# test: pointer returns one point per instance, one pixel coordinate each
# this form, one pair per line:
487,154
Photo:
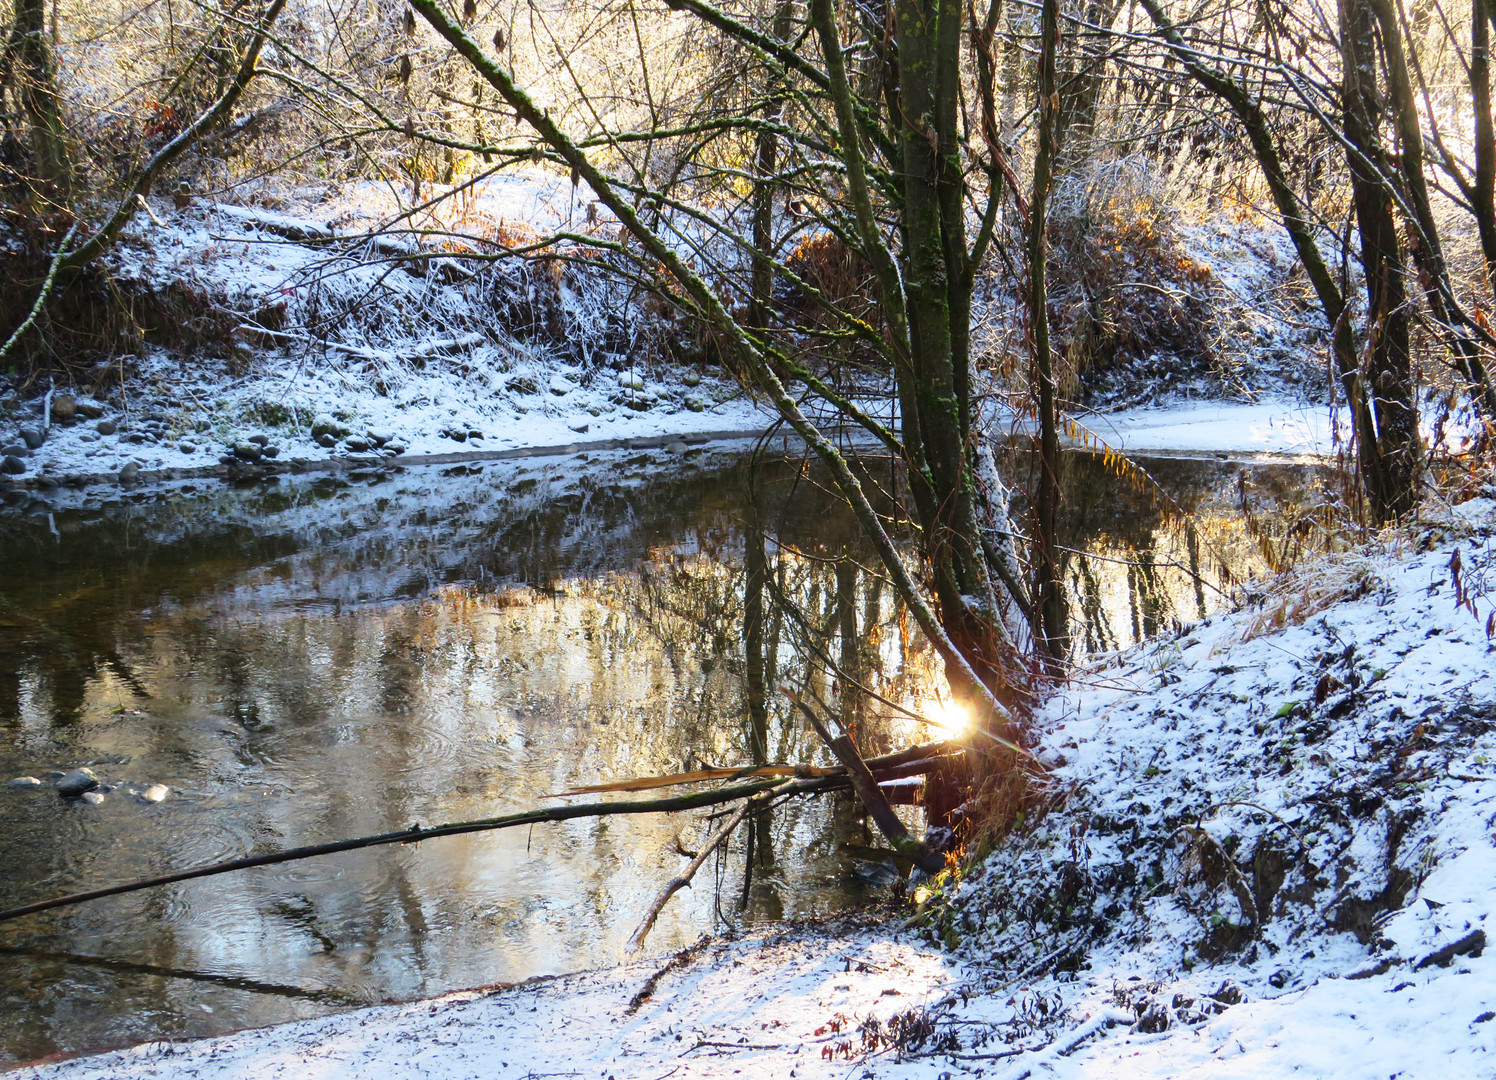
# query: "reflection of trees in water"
1144,556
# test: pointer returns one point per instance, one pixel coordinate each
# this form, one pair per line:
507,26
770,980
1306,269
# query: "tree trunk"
1388,368
766,153
1369,446
34,72
1048,585
1483,191
1425,245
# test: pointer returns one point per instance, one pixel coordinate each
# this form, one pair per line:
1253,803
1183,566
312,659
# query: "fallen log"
778,786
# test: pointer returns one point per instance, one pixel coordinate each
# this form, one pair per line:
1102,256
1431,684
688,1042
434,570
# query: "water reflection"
328,658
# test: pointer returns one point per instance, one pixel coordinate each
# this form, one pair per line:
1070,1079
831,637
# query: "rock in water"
154,793
25,781
75,783
93,798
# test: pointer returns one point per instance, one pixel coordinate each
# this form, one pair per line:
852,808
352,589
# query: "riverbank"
1269,852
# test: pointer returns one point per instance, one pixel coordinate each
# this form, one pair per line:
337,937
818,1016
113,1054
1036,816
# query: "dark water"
325,658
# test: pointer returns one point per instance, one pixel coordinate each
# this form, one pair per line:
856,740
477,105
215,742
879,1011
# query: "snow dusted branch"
141,187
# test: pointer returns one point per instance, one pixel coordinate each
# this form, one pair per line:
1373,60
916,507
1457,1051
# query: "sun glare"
949,715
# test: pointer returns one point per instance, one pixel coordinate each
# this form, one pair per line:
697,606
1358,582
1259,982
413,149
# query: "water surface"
322,658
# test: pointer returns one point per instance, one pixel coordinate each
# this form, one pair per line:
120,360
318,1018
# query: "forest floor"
1268,852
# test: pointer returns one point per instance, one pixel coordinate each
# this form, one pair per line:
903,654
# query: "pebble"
77,782
154,793
64,407
259,440
106,427
130,473
186,447
25,781
93,798
246,451
33,437
12,465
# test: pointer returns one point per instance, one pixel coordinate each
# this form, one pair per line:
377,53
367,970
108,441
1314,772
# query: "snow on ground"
1265,427
1270,854
324,341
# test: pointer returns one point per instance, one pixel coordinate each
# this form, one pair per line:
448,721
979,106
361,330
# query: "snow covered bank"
1270,854
1290,428
274,337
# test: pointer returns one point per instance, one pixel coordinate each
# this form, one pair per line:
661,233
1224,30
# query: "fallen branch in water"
681,880
900,762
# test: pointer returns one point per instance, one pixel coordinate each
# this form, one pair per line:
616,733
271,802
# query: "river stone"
64,407
630,380
106,427
246,451
130,473
25,782
327,440
154,793
271,451
258,439
322,424
33,437
12,465
88,408
75,783
357,444
93,798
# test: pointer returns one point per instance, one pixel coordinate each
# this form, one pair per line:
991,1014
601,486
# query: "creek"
326,657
